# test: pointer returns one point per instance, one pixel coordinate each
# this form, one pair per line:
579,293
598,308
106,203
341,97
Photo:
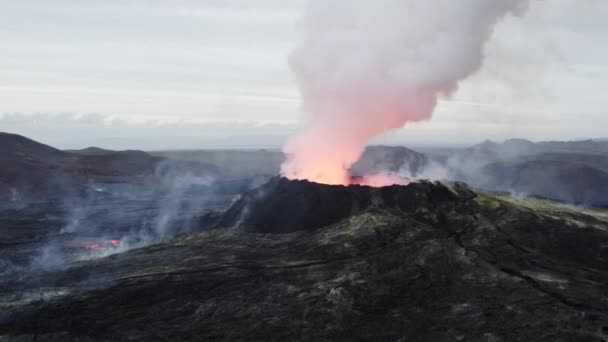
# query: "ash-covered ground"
458,266
139,253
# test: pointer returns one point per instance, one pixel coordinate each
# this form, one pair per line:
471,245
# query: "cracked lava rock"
284,206
424,262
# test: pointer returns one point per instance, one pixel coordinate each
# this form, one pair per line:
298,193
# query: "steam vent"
285,206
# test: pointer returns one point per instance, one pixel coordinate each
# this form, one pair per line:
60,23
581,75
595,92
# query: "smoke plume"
366,67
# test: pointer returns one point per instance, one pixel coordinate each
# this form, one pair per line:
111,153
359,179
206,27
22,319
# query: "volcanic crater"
284,206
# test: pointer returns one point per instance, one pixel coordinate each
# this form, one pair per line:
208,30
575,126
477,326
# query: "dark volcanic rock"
485,269
284,206
424,262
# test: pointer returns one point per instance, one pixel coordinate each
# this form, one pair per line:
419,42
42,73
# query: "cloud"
75,131
224,61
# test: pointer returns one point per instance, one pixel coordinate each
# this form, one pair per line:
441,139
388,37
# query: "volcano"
285,206
421,262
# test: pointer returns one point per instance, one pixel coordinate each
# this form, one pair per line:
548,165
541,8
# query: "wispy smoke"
365,67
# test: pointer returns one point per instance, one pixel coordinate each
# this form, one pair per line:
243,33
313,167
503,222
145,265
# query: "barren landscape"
303,170
266,258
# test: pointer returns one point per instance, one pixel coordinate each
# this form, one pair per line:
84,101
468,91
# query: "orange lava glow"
380,179
92,245
324,174
375,180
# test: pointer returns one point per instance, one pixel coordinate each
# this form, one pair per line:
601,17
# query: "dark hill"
425,264
251,163
571,172
96,151
17,148
33,171
564,181
28,167
284,206
389,159
595,161
92,151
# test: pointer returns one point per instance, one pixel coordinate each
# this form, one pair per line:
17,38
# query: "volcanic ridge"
283,206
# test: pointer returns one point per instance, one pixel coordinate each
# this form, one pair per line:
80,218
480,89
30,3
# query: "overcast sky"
162,74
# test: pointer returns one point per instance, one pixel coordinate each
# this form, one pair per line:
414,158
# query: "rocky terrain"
103,245
58,206
424,262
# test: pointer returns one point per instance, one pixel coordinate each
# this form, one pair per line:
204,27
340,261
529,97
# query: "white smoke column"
368,66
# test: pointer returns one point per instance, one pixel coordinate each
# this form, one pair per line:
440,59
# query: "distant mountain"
521,147
572,172
557,180
599,162
96,151
28,167
489,151
31,170
92,151
585,146
248,163
17,148
233,163
389,159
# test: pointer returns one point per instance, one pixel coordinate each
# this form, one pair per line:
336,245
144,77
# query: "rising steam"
365,67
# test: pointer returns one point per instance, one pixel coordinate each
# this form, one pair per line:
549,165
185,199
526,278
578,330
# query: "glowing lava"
380,179
93,245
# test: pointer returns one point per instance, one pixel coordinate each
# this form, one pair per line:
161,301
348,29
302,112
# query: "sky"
173,74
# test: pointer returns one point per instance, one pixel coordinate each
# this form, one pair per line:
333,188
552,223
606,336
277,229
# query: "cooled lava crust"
284,206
